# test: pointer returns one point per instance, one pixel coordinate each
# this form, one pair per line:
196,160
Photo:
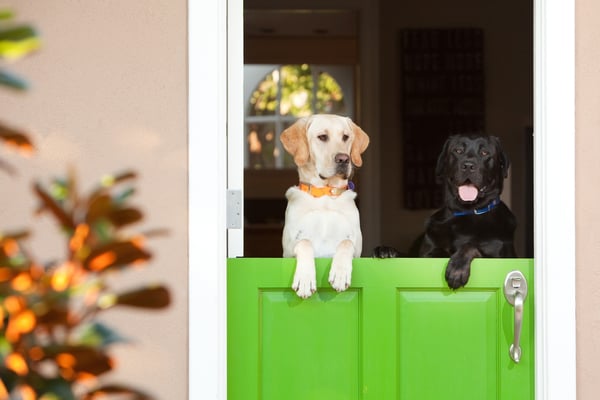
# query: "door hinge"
234,209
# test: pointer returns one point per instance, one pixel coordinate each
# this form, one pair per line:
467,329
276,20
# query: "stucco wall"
109,92
587,141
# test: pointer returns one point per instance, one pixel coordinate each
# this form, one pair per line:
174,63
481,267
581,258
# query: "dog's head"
472,169
325,147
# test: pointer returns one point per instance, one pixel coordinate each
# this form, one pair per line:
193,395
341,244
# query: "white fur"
321,227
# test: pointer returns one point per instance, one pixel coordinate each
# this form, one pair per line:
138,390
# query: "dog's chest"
325,221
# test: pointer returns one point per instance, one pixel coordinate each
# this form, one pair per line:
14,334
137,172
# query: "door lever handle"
515,292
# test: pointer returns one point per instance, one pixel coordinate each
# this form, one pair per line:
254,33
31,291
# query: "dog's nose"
468,165
341,158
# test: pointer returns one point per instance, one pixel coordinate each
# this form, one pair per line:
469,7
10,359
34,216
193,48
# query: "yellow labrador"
321,219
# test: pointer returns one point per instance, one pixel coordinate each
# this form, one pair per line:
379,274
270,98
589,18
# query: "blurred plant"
52,346
16,42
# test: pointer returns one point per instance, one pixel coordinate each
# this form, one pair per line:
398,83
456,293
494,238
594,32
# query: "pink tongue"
467,192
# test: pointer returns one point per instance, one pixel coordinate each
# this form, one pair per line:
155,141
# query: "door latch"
515,291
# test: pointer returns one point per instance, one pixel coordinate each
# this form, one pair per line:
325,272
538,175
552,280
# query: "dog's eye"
484,152
345,138
458,150
323,138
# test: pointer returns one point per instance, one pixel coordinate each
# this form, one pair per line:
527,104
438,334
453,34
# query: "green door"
397,333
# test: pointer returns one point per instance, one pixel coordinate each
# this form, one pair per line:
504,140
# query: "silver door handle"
515,291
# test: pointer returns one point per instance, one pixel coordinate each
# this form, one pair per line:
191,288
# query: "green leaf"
17,33
12,81
5,347
18,42
111,180
56,389
99,335
6,15
124,195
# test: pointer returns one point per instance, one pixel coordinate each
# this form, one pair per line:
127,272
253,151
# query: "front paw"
385,252
457,272
340,275
305,283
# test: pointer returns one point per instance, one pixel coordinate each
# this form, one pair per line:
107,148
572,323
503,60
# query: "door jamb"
554,209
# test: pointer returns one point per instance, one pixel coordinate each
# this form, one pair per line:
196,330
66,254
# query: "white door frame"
215,72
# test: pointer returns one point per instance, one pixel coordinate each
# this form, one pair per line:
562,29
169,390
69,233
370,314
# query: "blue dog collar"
478,211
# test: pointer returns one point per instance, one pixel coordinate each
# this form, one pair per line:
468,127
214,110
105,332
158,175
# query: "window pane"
330,98
264,98
280,95
296,90
262,149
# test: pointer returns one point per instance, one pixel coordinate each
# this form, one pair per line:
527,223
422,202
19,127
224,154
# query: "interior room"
392,61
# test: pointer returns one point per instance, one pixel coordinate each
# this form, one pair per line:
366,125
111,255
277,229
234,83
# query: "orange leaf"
101,261
16,139
16,363
24,321
115,254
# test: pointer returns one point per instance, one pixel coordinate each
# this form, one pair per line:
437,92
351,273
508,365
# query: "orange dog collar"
317,191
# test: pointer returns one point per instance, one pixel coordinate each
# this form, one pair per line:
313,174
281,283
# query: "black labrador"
473,221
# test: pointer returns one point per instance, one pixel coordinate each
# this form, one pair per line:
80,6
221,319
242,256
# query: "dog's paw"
457,273
340,276
304,284
385,252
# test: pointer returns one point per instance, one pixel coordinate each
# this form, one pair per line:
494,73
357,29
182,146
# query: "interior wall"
508,33
587,213
109,93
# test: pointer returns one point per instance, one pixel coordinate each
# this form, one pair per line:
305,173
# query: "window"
278,95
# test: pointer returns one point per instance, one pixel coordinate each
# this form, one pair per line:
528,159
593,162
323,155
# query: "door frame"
215,66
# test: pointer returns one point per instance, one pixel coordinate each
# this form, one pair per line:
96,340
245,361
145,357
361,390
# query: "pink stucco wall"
587,103
108,93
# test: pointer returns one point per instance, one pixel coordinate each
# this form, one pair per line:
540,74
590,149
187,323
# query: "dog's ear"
440,168
359,143
295,142
502,156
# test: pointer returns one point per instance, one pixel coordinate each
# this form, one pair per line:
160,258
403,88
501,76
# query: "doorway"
554,213
485,71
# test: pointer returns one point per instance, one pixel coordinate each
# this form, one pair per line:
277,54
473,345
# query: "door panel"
287,364
436,328
398,333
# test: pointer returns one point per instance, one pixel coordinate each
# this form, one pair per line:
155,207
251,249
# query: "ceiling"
338,23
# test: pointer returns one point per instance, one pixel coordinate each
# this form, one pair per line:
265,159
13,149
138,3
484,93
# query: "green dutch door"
397,333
